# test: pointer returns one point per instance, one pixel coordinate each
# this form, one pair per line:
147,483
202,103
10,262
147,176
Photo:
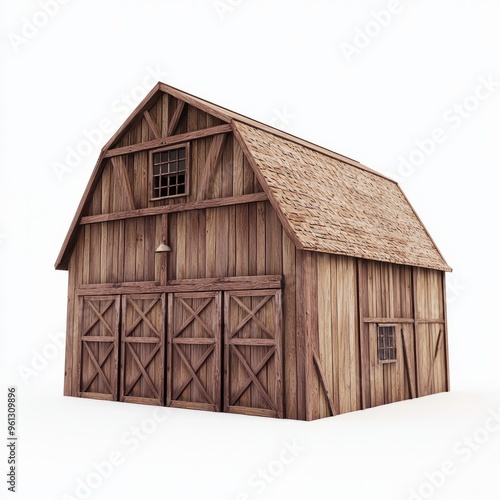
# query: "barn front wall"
132,339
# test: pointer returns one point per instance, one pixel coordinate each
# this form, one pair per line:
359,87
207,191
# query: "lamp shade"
163,247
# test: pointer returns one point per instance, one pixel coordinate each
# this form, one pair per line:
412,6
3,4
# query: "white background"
285,63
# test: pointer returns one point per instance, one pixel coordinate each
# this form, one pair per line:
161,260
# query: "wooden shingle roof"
326,201
336,207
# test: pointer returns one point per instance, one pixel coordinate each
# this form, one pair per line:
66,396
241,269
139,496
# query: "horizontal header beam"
269,282
178,207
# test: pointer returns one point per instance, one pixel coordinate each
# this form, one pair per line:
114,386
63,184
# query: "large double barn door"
251,354
125,335
224,350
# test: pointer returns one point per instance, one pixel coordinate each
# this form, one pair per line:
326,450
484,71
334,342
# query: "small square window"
169,172
386,343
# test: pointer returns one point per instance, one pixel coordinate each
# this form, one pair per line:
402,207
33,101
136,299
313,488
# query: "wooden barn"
217,263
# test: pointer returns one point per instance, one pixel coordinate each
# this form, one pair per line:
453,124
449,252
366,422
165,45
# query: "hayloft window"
386,341
170,172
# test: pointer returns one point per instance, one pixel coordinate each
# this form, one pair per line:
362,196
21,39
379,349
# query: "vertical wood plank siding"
327,312
337,335
219,242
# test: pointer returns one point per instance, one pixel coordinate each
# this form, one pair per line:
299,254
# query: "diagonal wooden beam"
193,374
124,182
211,162
430,378
248,380
143,370
256,381
139,375
251,315
152,124
90,326
196,315
142,315
196,367
106,355
176,118
100,317
140,318
322,378
98,367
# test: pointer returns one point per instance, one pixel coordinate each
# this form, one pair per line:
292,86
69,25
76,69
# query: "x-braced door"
252,355
142,349
194,350
98,347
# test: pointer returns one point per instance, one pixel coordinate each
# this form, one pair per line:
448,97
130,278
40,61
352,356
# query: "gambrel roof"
325,201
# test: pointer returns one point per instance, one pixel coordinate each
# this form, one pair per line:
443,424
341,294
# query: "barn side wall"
353,296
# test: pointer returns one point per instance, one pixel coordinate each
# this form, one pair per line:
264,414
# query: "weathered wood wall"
232,176
431,331
263,251
330,304
327,334
353,297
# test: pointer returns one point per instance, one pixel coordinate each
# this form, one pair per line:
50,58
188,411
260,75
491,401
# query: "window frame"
395,345
185,145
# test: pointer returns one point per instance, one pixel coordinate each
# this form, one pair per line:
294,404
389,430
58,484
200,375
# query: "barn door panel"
142,348
194,350
98,347
252,352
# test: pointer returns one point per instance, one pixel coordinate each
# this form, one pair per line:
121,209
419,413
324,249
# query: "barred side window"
386,342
